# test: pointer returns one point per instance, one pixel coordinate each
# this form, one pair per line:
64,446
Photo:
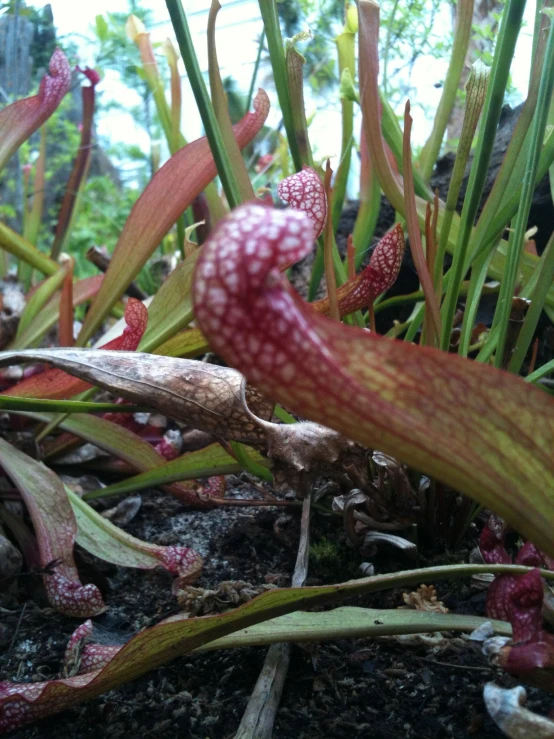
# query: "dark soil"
378,688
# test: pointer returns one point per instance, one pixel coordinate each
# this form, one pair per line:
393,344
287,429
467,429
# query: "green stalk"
330,278
347,61
495,215
412,223
486,253
393,136
509,30
370,202
541,372
295,78
219,100
513,257
498,223
54,422
213,133
39,298
13,243
509,207
34,219
182,468
283,415
527,291
500,207
174,142
368,73
551,126
249,464
538,296
268,9
261,43
366,221
476,89
462,31
386,52
318,268
9,403
418,295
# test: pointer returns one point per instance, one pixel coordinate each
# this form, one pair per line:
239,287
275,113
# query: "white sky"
239,26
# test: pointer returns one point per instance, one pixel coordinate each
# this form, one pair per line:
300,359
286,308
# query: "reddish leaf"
84,657
55,529
101,537
525,605
22,118
480,430
178,635
304,191
519,600
170,445
507,596
386,260
379,275
136,318
215,487
167,196
80,165
491,542
91,74
56,384
498,595
531,656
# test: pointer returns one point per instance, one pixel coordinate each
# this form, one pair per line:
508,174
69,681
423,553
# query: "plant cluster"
422,428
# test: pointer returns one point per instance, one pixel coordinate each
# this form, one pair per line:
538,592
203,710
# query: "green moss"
333,560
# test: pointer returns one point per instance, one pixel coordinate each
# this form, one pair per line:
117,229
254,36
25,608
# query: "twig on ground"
259,716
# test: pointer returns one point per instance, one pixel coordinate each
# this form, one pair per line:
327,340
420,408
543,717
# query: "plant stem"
219,101
244,459
13,243
370,201
502,315
268,9
462,30
330,277
431,303
213,133
368,72
261,43
295,80
509,30
8,403
347,61
476,90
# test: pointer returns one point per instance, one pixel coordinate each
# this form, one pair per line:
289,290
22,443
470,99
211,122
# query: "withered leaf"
205,396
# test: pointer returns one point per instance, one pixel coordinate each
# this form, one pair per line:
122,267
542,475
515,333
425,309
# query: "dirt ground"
379,688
